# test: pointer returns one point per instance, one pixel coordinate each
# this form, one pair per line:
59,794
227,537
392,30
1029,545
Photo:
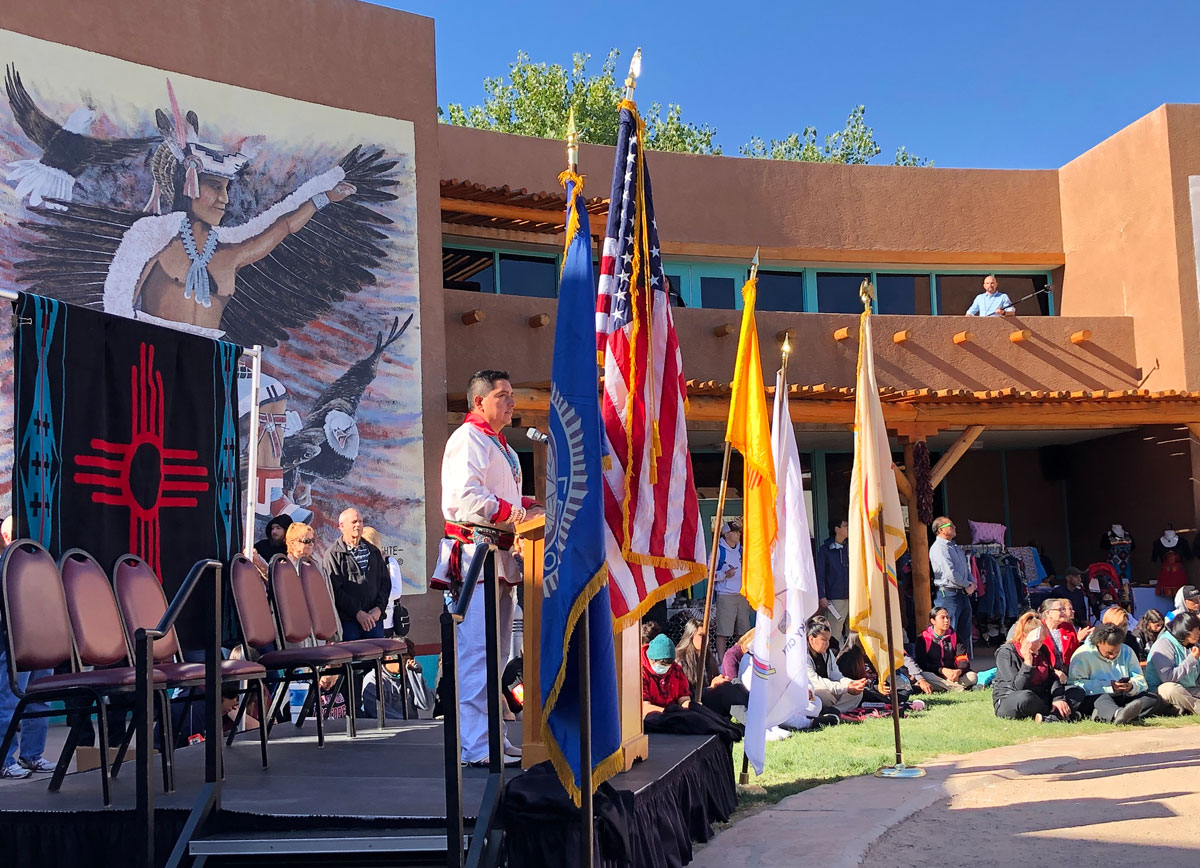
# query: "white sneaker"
41,764
777,733
16,771
511,749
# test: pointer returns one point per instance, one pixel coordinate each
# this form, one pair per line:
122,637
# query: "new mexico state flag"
749,432
873,499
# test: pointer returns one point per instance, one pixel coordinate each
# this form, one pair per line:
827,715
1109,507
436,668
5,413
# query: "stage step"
343,847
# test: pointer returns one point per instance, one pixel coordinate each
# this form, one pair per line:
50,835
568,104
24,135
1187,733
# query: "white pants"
472,670
834,704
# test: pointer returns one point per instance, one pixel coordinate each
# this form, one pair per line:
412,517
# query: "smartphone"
1034,634
1124,680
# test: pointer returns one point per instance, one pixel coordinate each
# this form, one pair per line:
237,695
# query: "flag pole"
899,770
717,519
582,640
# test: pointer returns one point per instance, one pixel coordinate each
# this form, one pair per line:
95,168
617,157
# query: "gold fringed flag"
749,432
874,501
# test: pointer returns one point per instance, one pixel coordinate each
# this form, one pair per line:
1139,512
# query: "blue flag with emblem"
575,573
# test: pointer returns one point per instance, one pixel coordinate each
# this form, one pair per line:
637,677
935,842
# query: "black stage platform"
390,780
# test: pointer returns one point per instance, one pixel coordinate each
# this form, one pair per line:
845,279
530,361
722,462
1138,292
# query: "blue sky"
994,85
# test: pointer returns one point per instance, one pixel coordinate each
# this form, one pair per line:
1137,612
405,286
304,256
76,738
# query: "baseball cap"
1074,571
1190,592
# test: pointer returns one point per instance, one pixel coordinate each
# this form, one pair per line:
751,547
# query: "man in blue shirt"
991,302
952,578
833,578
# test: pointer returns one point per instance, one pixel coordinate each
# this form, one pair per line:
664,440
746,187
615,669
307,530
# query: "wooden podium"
629,663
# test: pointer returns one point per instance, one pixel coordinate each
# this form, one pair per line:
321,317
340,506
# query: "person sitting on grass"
1187,599
836,692
663,682
1108,673
942,656
1145,634
1174,664
718,693
1060,634
854,663
731,663
1026,684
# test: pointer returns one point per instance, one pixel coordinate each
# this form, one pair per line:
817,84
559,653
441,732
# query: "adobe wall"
1048,360
729,206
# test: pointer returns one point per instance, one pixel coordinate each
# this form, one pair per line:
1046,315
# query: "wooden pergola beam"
950,456
1062,413
554,217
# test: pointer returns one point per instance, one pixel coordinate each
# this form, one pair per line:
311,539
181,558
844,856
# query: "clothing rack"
985,549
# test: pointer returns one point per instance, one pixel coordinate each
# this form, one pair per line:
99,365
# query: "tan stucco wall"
1119,237
729,205
930,359
340,53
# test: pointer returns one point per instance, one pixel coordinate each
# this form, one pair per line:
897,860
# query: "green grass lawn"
951,724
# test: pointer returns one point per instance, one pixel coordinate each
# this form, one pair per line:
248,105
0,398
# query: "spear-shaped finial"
866,292
754,265
572,142
787,351
635,69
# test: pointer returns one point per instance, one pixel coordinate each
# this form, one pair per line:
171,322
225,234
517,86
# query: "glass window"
956,292
717,293
468,269
675,289
528,275
780,290
902,293
838,292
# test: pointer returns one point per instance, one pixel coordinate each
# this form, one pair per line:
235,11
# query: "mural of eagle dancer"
327,445
248,283
67,149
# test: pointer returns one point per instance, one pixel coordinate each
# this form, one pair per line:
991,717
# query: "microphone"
537,436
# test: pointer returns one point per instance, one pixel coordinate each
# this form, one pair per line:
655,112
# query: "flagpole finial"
866,292
754,264
786,351
572,142
635,70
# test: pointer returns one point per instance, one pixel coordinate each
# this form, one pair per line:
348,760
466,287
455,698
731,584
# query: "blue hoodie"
1092,671
1170,661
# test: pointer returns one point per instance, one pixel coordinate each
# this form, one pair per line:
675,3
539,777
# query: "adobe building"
1080,412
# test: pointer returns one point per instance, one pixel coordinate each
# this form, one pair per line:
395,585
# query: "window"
528,275
468,269
957,291
780,290
902,294
717,293
837,292
675,290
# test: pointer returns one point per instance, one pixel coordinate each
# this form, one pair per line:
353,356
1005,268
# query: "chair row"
291,621
67,617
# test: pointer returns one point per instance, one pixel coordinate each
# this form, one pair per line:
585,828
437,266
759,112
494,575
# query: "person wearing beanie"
274,541
663,680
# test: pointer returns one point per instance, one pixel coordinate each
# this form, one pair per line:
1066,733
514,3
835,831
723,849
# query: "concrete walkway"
1109,798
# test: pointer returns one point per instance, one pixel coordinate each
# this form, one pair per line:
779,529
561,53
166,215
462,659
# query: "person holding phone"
1026,684
1108,672
836,691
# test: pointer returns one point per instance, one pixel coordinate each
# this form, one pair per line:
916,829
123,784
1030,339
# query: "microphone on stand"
537,436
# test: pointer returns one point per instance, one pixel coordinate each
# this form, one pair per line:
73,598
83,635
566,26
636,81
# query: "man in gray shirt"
952,579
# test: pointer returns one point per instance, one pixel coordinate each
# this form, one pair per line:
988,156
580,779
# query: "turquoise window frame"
690,273
497,252
1000,274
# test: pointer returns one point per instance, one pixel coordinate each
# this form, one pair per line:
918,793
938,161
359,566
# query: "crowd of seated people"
1051,669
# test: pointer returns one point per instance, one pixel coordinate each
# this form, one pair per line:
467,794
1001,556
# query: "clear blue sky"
1013,84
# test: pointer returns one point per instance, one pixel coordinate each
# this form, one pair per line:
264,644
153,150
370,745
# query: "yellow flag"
874,502
749,432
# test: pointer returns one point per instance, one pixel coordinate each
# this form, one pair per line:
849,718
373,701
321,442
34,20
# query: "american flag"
654,544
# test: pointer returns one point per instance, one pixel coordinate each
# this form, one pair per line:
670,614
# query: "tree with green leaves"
853,144
537,97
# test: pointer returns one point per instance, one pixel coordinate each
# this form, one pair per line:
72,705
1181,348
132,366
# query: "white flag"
779,671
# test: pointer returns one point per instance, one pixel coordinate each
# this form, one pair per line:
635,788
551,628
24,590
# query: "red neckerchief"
477,421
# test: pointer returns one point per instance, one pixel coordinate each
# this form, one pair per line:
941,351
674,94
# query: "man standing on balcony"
481,503
991,302
952,576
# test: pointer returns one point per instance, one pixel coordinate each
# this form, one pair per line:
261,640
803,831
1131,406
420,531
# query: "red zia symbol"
142,474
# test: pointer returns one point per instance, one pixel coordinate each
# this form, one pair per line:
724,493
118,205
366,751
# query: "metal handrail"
480,853
143,642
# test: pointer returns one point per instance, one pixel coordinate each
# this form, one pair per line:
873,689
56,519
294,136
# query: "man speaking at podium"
481,502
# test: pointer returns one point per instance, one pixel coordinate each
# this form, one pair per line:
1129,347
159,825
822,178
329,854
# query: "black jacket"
1012,673
354,592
